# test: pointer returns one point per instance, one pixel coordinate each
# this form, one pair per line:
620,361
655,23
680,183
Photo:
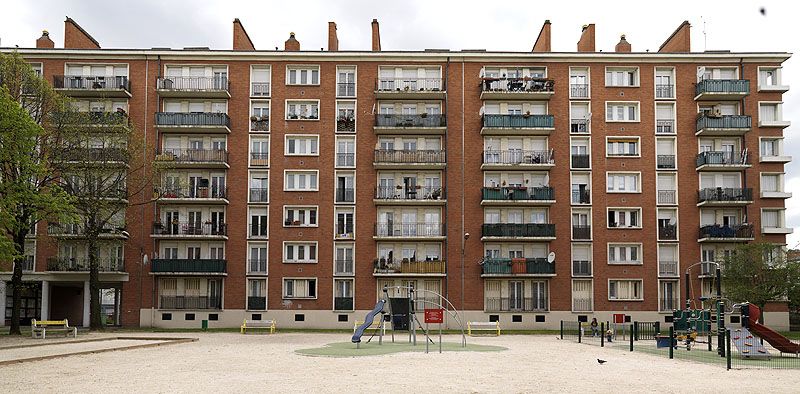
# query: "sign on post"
434,316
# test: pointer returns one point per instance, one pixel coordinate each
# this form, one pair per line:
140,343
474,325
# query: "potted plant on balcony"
527,114
264,118
423,115
254,118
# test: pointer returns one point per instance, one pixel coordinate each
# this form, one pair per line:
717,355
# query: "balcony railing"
86,82
343,267
412,229
193,155
583,232
668,232
190,229
257,266
194,83
722,158
667,196
410,156
345,89
192,119
174,192
665,126
581,268
544,157
345,159
519,230
581,196
664,91
721,231
343,303
345,194
505,304
256,303
411,84
539,193
406,266
582,304
259,194
579,90
189,302
402,121
580,161
95,155
728,122
668,268
259,158
410,193
189,265
345,124
507,266
579,125
78,230
67,264
665,162
518,85
724,86
524,121
260,124
259,89
97,118
725,194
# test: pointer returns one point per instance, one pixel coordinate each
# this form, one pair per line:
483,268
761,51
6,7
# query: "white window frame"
355,154
617,280
262,139
250,114
588,82
306,246
308,209
269,78
355,79
624,104
624,156
778,86
610,174
779,121
285,295
310,68
674,82
286,174
627,211
627,246
617,69
307,139
311,102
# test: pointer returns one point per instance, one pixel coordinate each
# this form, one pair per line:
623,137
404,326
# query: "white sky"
418,24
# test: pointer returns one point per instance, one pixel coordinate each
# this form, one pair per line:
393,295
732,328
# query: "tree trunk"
95,316
16,283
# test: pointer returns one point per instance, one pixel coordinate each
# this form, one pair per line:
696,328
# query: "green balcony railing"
724,86
211,266
519,230
743,122
540,193
507,266
519,121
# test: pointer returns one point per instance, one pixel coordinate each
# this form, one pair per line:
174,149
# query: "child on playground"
609,335
594,326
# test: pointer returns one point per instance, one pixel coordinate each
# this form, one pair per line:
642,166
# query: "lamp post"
463,246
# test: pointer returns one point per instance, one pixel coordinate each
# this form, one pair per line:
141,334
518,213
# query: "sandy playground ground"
228,362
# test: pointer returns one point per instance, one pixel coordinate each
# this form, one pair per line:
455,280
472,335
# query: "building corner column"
44,314
86,299
3,300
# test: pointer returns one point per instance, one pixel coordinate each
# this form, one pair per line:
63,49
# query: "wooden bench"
490,327
40,328
257,325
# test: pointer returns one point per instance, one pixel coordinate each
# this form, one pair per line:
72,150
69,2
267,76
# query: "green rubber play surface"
348,349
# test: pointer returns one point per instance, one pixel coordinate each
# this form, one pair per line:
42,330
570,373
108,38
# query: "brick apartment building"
297,183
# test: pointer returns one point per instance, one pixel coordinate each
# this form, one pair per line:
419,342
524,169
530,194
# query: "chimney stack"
291,44
241,40
77,38
623,45
586,43
542,43
679,41
376,36
44,41
333,40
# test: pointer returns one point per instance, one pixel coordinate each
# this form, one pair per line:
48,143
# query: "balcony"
345,89
189,302
77,231
665,126
722,89
108,121
193,158
409,231
406,267
193,195
410,88
579,90
259,123
343,303
665,91
190,230
188,266
525,124
668,232
665,162
345,125
411,159
410,124
667,197
581,268
583,196
400,195
260,159
723,125
582,232
726,233
505,304
259,194
540,195
343,267
257,267
259,89
525,88
194,87
92,86
193,122
65,264
537,266
86,157
579,126
722,161
724,196
345,195
518,231
708,269
668,269
505,159
579,161
256,303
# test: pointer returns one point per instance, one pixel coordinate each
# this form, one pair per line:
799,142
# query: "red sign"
434,315
619,318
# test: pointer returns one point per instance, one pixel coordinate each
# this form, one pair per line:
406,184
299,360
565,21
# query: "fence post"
562,329
635,333
671,338
632,334
658,328
709,340
728,348
579,331
602,335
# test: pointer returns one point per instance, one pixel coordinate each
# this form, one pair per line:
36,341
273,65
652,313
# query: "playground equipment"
402,316
691,323
750,324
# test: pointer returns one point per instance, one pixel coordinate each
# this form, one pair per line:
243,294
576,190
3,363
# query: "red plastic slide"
775,339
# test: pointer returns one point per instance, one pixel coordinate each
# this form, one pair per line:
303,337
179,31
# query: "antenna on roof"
705,37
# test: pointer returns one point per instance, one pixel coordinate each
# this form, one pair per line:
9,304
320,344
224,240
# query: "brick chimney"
77,38
679,41
543,41
333,41
241,40
586,43
622,45
291,44
44,41
376,36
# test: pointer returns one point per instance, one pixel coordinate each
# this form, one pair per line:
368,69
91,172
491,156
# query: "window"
624,218
768,76
622,183
770,147
704,73
300,216
345,116
302,75
260,77
580,115
772,219
299,288
345,81
259,224
259,151
625,289
259,115
628,146
665,118
344,259
259,186
300,181
305,145
771,114
300,252
257,259
617,76
302,110
578,82
771,183
622,112
345,223
624,253
345,152
665,83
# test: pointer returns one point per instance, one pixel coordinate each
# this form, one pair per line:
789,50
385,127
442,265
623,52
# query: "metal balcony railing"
666,196
665,162
727,86
192,119
259,194
256,303
538,193
731,122
527,265
95,155
410,84
581,268
343,267
220,83
402,121
259,89
259,158
545,157
518,230
506,304
524,121
95,118
721,231
190,228
410,156
518,85
260,124
91,82
345,124
668,268
418,193
580,161
664,91
411,229
171,192
189,265
665,126
579,90
668,232
257,266
185,155
345,89
71,264
189,302
407,266
722,158
57,229
725,194
345,194
581,196
579,125
581,231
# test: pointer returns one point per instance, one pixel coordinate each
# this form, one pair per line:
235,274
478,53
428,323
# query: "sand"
268,363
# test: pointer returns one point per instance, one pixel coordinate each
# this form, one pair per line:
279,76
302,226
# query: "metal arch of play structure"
699,317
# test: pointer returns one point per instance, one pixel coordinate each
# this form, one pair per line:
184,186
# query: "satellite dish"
145,260
700,72
551,257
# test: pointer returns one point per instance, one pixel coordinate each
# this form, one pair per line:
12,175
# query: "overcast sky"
419,24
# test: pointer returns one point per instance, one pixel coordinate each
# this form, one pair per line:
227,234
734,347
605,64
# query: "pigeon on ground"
558,338
599,361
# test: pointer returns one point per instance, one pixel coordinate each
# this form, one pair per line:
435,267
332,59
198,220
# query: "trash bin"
205,325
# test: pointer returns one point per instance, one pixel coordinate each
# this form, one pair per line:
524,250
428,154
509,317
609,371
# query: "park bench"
489,327
40,328
375,326
257,325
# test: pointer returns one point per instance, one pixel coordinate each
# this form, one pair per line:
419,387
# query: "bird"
601,362
763,11
558,338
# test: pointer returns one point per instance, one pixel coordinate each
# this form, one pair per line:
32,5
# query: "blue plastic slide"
368,321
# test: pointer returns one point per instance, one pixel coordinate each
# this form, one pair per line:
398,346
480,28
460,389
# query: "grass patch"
348,349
